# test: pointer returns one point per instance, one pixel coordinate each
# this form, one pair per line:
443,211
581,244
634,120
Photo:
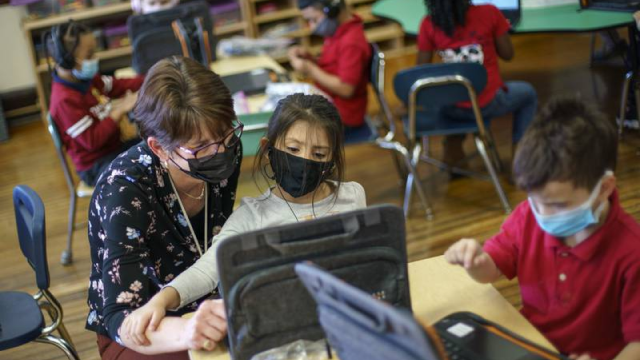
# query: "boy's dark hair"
446,15
319,113
63,41
181,100
570,140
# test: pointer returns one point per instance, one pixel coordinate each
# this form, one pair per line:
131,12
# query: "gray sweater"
264,211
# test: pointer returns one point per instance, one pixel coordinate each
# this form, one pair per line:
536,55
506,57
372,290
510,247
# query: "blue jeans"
520,99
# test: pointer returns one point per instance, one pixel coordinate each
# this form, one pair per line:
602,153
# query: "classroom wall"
15,64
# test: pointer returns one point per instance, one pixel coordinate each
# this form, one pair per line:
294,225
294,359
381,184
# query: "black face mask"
214,168
296,175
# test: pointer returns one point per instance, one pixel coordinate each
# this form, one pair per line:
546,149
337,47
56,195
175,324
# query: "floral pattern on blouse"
139,237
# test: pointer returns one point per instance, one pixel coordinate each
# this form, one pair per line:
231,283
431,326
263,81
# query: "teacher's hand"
207,327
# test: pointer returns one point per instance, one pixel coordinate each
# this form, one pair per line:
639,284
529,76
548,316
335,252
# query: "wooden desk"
439,289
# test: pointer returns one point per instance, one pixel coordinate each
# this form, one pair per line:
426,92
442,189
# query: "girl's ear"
264,142
154,145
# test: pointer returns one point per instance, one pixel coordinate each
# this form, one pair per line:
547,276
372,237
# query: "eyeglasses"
229,141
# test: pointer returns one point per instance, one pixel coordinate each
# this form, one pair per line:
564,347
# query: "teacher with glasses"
158,205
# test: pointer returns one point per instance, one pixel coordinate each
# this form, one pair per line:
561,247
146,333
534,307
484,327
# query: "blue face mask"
567,223
88,71
326,28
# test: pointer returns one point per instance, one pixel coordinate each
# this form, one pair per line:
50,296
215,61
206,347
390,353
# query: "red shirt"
347,55
584,299
81,113
475,42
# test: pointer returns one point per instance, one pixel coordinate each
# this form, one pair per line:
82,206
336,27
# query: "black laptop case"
268,306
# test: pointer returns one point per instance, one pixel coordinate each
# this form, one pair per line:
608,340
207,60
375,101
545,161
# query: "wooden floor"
463,208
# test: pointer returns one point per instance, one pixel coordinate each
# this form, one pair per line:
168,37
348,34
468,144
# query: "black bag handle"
350,225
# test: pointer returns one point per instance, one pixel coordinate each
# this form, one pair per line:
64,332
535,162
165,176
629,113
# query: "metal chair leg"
53,314
628,77
492,172
65,334
67,254
407,195
593,49
62,344
400,167
493,152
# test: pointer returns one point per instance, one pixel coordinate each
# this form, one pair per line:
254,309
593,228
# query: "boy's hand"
580,357
467,253
136,324
128,101
298,64
123,105
297,51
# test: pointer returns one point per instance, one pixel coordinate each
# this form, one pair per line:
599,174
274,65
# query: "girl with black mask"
301,159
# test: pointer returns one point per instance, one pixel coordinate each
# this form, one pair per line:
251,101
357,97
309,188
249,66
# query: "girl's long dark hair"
446,15
318,112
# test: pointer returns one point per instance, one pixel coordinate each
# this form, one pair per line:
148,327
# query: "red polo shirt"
584,299
347,55
475,42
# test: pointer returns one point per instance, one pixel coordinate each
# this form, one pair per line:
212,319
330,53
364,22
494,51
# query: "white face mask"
569,222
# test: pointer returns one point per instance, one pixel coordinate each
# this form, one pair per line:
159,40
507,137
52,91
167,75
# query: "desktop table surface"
439,289
230,66
226,66
554,18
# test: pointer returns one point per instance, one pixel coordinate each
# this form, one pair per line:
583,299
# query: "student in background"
573,248
303,151
342,68
459,31
81,105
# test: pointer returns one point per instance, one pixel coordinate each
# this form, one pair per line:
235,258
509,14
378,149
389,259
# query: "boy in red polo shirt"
342,68
81,106
573,248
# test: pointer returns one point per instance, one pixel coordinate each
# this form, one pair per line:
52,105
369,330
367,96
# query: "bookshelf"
257,17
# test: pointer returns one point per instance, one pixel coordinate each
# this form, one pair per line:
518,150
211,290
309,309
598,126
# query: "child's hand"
136,324
467,253
129,101
207,327
297,51
123,105
580,357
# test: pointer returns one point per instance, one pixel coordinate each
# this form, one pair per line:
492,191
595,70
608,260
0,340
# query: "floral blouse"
139,237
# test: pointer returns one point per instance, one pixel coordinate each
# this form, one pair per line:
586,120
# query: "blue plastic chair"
388,138
427,90
21,318
76,191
